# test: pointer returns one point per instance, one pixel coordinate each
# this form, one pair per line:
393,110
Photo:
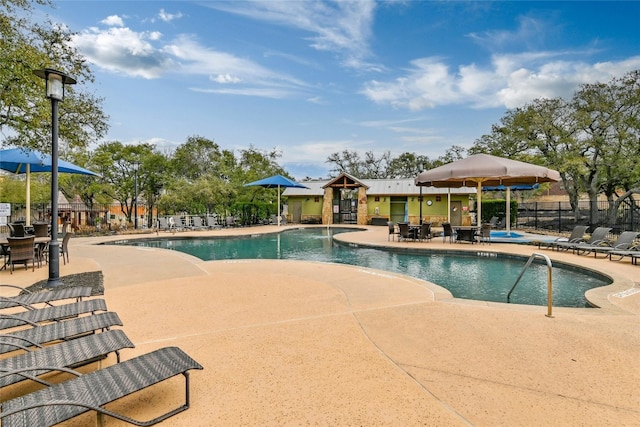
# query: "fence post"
559,217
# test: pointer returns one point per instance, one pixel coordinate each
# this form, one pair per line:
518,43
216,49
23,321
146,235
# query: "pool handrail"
549,280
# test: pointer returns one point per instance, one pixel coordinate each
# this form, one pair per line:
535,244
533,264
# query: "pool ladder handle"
549,280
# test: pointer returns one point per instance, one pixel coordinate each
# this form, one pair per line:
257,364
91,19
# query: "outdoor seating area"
30,246
60,331
599,242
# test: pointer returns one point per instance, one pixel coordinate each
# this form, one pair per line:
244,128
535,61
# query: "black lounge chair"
92,391
69,329
624,241
58,312
577,236
598,235
66,355
27,298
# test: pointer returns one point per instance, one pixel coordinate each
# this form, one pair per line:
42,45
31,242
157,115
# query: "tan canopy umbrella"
484,169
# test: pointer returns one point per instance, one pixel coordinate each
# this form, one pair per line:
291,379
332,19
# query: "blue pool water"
486,278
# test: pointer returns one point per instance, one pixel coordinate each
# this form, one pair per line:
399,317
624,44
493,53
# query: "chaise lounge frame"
92,391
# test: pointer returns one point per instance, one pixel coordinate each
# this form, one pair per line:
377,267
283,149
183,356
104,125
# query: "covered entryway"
348,198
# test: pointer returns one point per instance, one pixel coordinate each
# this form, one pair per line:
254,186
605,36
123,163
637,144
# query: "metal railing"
549,280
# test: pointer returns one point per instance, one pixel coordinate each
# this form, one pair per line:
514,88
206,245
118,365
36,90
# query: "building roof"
378,187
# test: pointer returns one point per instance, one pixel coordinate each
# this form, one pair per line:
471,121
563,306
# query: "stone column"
363,215
327,206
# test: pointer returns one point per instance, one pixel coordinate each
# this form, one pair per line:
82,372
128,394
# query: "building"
348,200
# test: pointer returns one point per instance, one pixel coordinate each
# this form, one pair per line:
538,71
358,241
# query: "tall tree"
25,113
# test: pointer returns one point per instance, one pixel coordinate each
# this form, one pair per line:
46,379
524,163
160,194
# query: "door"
456,213
296,211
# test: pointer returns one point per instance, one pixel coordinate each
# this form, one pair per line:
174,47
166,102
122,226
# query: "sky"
312,78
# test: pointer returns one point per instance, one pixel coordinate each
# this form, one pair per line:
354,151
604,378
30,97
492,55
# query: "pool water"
485,278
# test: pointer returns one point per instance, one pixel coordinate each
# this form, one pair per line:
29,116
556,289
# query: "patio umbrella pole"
28,196
278,205
508,211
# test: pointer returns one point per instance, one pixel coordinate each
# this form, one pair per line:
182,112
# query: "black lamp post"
136,168
55,81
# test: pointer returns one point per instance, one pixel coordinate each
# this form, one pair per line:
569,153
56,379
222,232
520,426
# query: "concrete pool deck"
303,343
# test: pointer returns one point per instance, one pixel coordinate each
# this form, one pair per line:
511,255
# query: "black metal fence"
559,217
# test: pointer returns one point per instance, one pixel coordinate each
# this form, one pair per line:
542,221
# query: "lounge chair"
622,243
163,224
576,236
60,402
598,235
494,221
69,354
27,298
56,331
21,251
447,232
197,223
47,314
633,252
212,221
392,231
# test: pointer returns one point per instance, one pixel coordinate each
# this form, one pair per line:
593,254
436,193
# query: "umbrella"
276,181
23,160
484,169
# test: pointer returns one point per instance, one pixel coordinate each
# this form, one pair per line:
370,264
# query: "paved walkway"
301,343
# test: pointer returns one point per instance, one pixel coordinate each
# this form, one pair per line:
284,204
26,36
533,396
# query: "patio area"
302,343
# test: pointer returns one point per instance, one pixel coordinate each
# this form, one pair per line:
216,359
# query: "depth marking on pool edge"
627,293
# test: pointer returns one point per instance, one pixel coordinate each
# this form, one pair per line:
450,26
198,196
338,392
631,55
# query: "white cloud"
124,51
343,27
509,81
113,21
225,78
168,17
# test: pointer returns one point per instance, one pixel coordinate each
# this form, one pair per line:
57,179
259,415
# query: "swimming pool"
485,278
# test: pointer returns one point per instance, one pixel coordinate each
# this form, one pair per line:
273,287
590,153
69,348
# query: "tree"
25,113
197,157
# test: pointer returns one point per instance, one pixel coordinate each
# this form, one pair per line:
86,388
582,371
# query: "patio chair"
230,221
90,392
21,251
392,231
28,299
405,232
576,236
64,249
48,314
494,221
425,232
447,232
41,229
622,243
17,229
68,354
484,236
39,335
598,235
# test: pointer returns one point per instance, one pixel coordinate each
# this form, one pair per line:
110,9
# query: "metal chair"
447,232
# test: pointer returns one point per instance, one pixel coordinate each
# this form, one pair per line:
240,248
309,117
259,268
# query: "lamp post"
136,168
54,83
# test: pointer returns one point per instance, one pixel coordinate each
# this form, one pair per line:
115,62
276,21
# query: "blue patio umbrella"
276,181
24,160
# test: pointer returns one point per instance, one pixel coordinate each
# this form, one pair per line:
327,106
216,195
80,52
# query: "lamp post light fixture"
54,83
136,168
